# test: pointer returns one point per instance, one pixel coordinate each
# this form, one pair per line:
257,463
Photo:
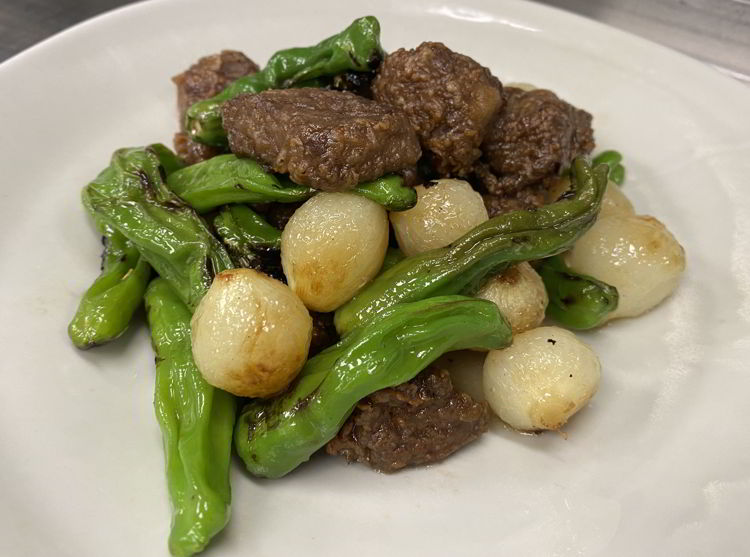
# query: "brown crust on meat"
209,76
450,100
191,151
536,135
329,140
204,79
419,422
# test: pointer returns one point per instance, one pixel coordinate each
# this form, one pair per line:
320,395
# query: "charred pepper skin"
196,420
106,308
490,247
108,305
134,200
243,230
273,437
356,48
231,179
576,301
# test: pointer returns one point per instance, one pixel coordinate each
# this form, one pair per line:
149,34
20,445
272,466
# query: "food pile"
333,223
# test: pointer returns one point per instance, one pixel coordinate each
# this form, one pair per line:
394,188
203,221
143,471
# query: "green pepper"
108,305
247,235
576,301
132,197
243,229
390,192
230,179
613,160
392,256
488,248
196,421
275,436
355,48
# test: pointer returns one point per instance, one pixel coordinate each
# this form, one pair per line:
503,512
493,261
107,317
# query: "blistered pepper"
275,436
132,197
355,48
196,421
488,248
576,301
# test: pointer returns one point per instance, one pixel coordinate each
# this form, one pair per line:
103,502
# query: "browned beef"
204,79
191,151
329,140
419,422
535,136
209,76
449,98
527,198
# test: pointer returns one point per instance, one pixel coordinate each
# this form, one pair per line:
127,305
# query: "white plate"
659,463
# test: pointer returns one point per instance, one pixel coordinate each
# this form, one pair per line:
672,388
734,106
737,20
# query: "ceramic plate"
658,464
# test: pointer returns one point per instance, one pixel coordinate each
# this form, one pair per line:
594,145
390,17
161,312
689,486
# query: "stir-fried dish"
332,223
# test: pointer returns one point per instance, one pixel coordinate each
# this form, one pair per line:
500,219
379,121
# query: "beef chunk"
527,198
329,140
535,136
191,151
204,79
449,98
209,76
419,422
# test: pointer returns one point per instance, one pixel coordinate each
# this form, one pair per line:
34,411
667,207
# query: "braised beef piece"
323,334
535,136
418,422
449,98
329,140
191,151
209,76
204,79
527,198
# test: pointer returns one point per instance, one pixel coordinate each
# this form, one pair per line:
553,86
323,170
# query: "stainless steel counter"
715,31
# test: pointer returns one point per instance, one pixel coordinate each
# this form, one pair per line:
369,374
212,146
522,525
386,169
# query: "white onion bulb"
444,212
250,334
541,380
332,246
635,254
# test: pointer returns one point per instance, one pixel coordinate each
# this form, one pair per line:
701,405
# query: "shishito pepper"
243,230
388,191
107,307
490,247
613,159
576,301
275,436
355,48
132,197
196,421
232,179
